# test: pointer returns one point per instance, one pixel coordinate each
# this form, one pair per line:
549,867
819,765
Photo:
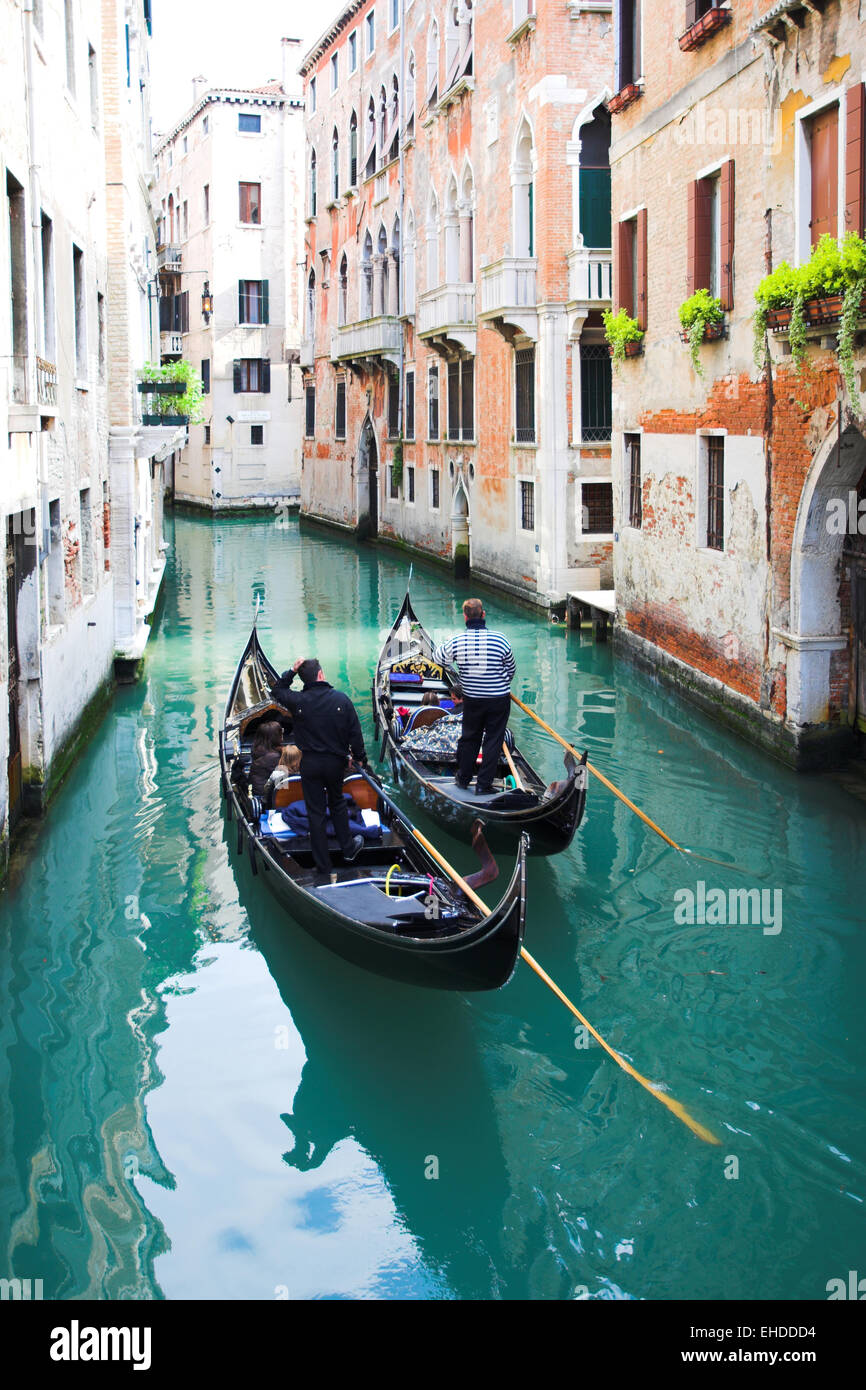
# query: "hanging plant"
397,463
697,314
621,330
188,403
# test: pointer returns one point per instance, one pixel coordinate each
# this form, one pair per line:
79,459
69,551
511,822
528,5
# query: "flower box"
825,309
165,419
623,98
162,388
712,333
703,28
632,349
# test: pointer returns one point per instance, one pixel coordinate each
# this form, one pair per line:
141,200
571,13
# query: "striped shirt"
484,660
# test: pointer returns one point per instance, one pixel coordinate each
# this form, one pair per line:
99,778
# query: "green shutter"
266,313
595,224
241,304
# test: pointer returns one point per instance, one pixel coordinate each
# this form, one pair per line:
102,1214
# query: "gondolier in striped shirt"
486,665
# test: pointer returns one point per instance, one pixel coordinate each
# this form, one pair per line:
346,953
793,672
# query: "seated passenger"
430,698
288,766
266,754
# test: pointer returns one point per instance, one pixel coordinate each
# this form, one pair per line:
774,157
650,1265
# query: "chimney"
198,86
292,85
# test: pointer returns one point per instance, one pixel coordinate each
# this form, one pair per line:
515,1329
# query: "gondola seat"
420,718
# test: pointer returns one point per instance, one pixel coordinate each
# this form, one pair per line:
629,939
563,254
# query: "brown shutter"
641,254
700,234
824,132
726,249
855,159
691,12
692,235
624,267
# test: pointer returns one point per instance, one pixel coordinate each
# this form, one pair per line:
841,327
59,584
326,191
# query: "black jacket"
324,719
261,768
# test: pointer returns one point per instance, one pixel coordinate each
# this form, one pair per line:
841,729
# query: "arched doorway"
460,530
368,482
828,590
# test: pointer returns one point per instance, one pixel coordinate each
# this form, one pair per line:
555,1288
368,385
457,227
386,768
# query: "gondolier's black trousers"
322,783
484,725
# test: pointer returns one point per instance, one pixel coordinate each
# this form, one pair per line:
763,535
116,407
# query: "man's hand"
297,665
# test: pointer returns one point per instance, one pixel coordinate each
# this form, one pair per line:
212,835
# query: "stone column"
378,288
552,521
393,306
466,276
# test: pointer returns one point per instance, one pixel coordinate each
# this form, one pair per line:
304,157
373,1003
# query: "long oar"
673,1105
621,795
515,774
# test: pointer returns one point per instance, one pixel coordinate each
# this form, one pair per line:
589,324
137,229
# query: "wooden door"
825,174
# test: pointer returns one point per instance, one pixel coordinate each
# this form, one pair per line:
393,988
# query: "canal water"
197,1101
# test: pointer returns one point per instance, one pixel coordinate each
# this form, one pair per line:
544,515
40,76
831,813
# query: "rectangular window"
206,202
704,235
631,276
822,135
467,398
310,412
434,489
252,374
94,86
257,434
335,71
696,9
18,284
409,406
524,383
205,375
250,197
393,405
340,422
80,313
629,45
453,400
70,45
715,492
100,328
249,124
88,567
207,434
353,50
312,96
185,220
186,144
597,509
527,506
253,301
371,32
205,125
410,484
393,490
48,315
635,484
394,14
433,402
596,391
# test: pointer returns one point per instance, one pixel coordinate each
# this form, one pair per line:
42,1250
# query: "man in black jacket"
325,727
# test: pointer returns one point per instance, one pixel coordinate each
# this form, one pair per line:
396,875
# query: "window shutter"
184,312
855,159
266,374
726,194
241,305
691,13
237,375
692,234
265,303
623,269
641,254
704,233
165,314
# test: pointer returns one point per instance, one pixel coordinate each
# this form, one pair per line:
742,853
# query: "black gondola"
391,911
521,802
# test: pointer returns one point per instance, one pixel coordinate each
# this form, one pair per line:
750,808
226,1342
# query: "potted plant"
624,337
702,317
175,392
829,289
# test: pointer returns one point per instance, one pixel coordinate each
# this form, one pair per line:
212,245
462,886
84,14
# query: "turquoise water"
197,1101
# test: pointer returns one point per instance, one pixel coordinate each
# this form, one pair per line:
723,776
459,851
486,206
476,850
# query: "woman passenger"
288,766
266,754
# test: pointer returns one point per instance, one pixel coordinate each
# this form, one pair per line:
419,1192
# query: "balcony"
509,296
46,382
590,284
367,341
446,316
169,258
171,344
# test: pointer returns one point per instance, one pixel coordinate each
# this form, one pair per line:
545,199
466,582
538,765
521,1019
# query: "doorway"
368,467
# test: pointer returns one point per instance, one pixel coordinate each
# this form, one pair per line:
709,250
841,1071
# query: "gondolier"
486,665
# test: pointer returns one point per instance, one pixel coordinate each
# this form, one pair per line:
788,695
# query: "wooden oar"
515,774
673,1105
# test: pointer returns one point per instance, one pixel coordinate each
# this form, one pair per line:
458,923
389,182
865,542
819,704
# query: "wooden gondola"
521,801
391,910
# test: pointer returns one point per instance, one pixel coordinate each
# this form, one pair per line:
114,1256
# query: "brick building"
79,489
457,386
737,139
229,212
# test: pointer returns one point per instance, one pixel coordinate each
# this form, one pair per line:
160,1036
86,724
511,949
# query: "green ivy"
397,463
621,328
190,403
696,312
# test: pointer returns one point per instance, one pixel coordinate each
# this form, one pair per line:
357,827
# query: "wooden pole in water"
673,1105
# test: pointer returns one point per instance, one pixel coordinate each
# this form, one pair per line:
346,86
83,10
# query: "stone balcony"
369,340
171,344
169,259
446,317
509,296
46,382
590,284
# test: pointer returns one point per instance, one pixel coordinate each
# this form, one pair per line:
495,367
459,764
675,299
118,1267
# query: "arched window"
312,183
594,180
452,233
353,150
171,218
311,306
395,307
432,63
467,228
432,276
394,119
523,192
366,286
409,265
370,140
343,298
335,165
452,43
383,123
380,304
409,96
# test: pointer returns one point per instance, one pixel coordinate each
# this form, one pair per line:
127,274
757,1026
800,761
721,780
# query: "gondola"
521,801
391,910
